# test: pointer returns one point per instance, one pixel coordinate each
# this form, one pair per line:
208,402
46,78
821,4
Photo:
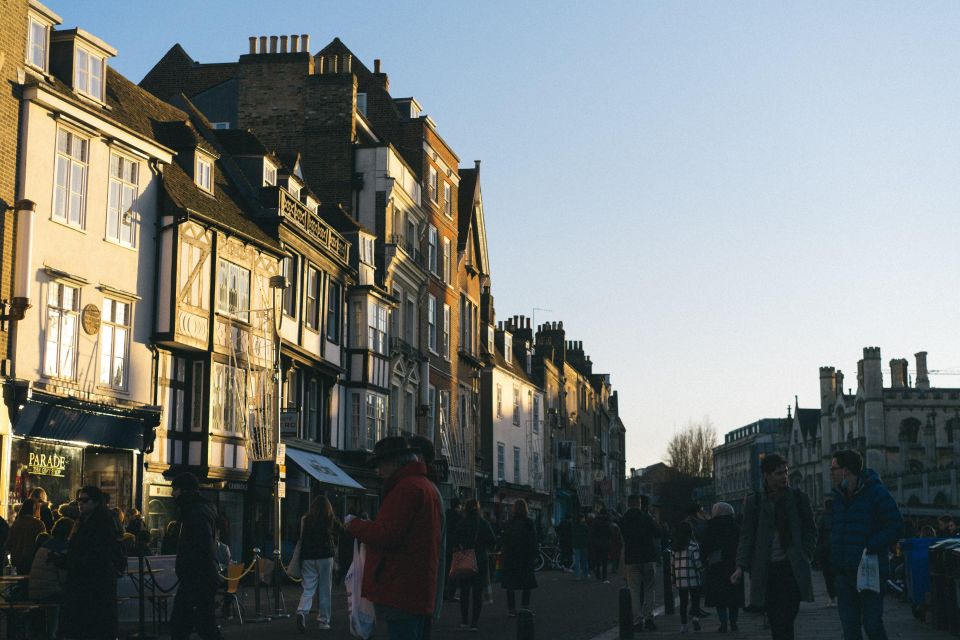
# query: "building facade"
736,462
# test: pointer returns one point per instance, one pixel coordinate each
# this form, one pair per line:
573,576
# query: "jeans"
580,567
471,592
512,601
408,628
864,608
317,578
783,600
693,593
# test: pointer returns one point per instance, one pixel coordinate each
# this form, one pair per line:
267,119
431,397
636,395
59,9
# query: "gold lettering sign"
46,464
90,319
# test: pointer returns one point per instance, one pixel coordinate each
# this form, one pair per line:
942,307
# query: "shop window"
55,468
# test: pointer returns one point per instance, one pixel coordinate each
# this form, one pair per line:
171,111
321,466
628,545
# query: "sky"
716,198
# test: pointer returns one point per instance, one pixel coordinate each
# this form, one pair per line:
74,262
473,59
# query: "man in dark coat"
600,534
196,565
520,552
454,517
640,555
865,520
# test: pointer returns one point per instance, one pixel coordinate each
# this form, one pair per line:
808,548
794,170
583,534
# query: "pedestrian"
402,543
580,542
196,564
519,545
94,561
865,521
641,552
477,534
564,541
134,521
600,544
39,495
319,530
616,547
427,455
823,551
687,573
454,516
22,537
168,545
718,550
48,578
777,541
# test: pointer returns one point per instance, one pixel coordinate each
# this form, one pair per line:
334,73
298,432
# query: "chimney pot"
273,44
253,44
283,44
263,44
294,44
305,42
376,65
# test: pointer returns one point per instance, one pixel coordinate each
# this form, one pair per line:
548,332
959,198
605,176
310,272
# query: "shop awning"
69,420
322,468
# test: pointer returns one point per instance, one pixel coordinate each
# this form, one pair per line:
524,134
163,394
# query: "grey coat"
756,538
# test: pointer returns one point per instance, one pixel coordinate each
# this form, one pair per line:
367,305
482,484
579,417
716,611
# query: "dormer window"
37,43
366,249
203,173
508,349
88,73
269,174
362,103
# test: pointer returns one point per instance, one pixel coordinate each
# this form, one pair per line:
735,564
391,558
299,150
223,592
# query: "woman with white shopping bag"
319,529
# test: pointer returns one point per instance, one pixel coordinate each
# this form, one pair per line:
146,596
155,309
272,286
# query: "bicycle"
550,556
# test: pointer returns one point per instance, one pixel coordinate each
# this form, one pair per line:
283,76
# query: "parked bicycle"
550,556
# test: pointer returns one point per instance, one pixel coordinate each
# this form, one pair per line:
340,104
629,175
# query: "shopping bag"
362,616
463,564
868,573
294,569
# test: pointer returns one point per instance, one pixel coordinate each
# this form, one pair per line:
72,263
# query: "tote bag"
362,616
463,564
295,569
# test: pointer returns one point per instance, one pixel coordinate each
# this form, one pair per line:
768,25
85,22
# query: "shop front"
61,444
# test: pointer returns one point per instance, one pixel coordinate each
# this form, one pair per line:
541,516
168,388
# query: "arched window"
910,431
915,466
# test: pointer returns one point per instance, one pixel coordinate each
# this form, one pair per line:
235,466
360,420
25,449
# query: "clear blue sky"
717,198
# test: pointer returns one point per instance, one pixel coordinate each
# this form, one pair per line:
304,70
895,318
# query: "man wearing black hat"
403,543
193,606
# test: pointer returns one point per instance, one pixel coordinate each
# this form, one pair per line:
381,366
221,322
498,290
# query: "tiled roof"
241,142
177,72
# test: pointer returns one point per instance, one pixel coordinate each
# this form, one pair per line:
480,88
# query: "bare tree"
690,451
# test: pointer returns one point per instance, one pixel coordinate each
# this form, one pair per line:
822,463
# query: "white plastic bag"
868,573
362,616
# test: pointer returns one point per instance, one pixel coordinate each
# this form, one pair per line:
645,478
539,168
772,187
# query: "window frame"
109,324
501,462
123,183
45,49
62,313
312,292
516,465
447,261
446,331
203,172
433,249
71,164
448,199
432,323
241,306
269,174
334,314
432,183
79,75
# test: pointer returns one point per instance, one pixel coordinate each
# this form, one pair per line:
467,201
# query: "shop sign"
289,422
46,464
90,319
161,491
281,489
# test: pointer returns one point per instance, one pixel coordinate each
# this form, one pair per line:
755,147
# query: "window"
516,465
468,325
357,341
432,184
432,250
446,261
376,419
410,321
447,199
203,173
63,302
220,125
536,414
290,272
431,411
362,102
333,311
233,290
377,328
535,472
394,411
410,238
88,73
516,405
395,315
432,323
410,412
114,349
121,218
501,471
313,410
446,331
311,303
507,348
229,398
499,401
70,187
37,35
269,174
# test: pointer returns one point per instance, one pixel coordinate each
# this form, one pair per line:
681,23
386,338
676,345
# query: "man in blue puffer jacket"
865,518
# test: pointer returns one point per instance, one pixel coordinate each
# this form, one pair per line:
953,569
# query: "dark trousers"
783,600
194,608
599,563
450,586
471,592
830,578
864,608
512,602
728,613
689,595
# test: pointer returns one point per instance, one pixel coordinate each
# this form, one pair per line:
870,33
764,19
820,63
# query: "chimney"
839,379
253,44
305,42
294,43
376,65
872,373
923,382
273,44
897,378
283,44
828,390
263,44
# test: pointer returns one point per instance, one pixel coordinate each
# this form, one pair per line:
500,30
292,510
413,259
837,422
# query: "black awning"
71,420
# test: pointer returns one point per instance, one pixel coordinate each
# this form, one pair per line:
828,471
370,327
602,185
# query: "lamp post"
277,284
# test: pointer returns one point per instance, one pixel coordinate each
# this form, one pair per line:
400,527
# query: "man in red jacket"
403,542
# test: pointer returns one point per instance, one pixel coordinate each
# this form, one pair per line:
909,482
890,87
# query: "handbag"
295,568
463,564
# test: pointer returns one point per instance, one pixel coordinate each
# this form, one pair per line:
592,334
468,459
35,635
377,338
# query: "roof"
809,420
176,72
241,142
515,367
466,196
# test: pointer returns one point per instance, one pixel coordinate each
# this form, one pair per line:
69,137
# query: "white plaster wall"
510,434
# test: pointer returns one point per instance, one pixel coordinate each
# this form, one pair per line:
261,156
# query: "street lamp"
277,284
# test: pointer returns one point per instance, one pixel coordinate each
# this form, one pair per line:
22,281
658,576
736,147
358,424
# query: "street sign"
282,453
283,472
289,421
281,489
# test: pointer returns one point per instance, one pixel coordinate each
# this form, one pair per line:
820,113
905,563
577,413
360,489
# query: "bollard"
667,583
258,614
279,608
524,624
626,614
